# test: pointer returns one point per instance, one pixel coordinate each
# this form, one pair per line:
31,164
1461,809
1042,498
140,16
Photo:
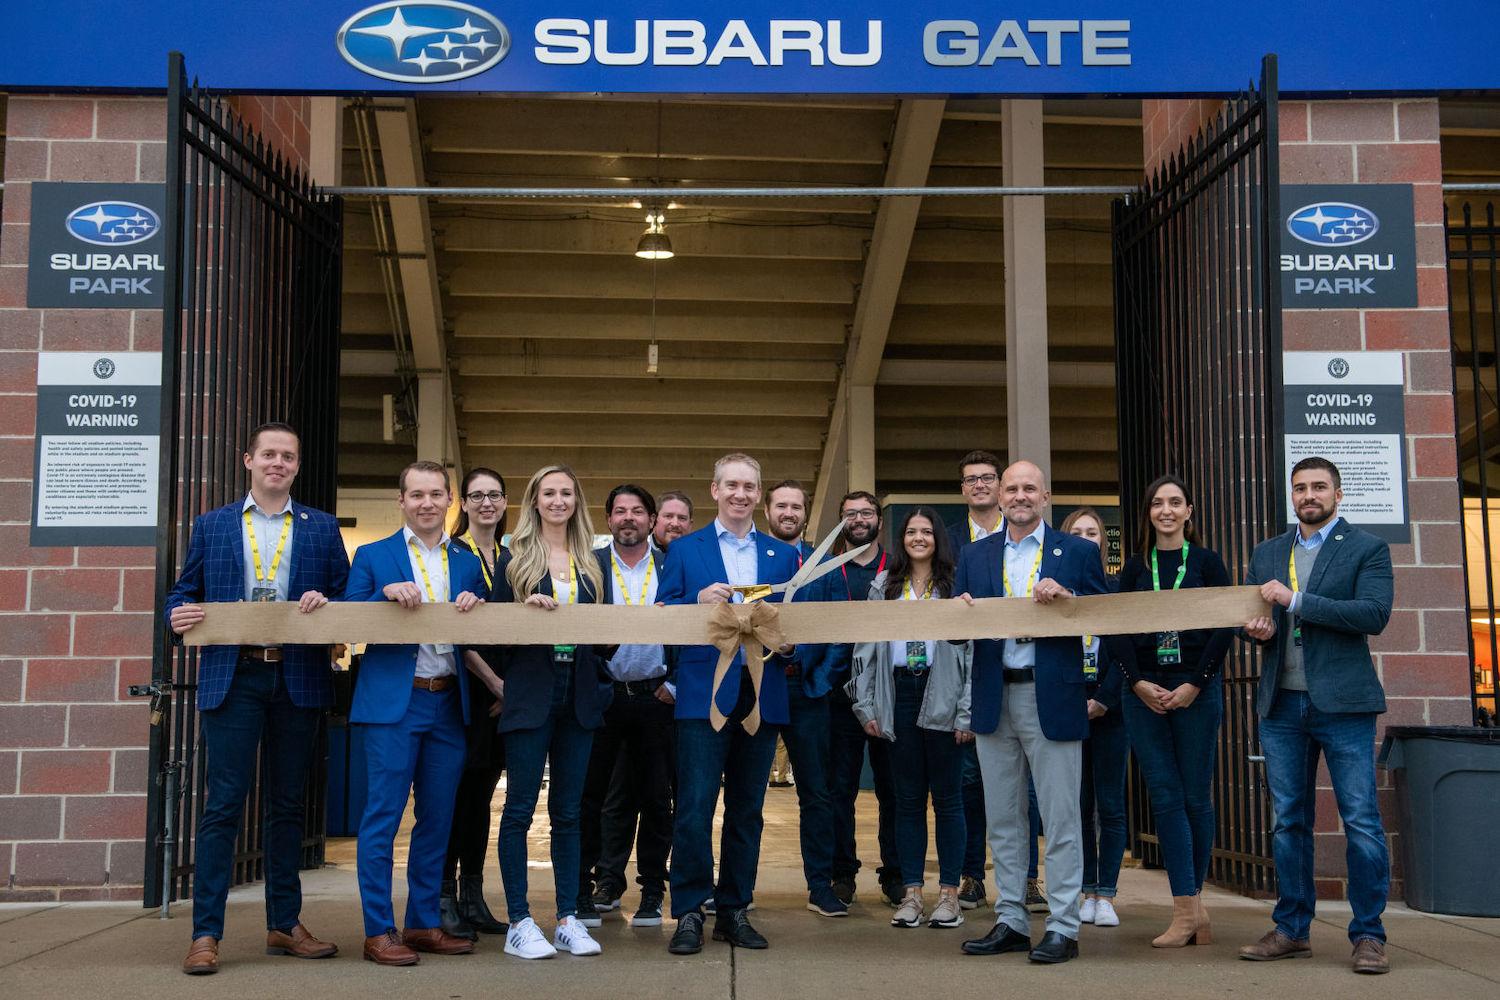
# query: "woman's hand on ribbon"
542,601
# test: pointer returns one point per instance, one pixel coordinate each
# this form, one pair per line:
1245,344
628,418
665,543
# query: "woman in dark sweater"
1173,702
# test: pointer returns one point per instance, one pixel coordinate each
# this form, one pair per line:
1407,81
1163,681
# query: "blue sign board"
1036,47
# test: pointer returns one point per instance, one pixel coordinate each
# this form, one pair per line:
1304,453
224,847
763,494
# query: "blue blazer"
386,671
214,571
694,562
529,673
1061,701
1345,600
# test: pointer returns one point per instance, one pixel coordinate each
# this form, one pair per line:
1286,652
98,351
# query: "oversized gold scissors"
812,568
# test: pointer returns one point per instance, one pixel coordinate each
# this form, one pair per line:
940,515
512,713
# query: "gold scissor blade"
754,592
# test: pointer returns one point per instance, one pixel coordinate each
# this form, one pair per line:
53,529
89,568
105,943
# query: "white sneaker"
1086,911
525,940
1105,915
572,936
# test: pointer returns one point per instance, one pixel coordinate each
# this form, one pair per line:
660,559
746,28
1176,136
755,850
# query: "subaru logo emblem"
432,42
113,223
1332,224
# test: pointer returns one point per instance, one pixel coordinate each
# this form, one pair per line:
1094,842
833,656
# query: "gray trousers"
1005,756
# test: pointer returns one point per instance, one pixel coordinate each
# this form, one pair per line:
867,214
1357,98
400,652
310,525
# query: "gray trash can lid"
1452,734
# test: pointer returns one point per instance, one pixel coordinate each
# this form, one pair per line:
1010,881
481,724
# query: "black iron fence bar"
228,166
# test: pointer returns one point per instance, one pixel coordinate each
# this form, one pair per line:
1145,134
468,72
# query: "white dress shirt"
433,659
635,662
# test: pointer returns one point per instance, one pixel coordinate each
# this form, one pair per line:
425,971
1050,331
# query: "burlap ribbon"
754,628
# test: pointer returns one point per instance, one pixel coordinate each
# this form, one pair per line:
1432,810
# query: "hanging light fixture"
654,243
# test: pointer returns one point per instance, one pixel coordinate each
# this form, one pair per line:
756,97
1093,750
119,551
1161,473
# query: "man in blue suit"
265,547
703,568
413,701
1030,715
1330,587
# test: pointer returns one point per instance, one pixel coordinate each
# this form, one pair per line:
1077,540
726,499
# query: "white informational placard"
1348,407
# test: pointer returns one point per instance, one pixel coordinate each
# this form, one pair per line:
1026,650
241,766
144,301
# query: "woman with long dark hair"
916,694
1173,702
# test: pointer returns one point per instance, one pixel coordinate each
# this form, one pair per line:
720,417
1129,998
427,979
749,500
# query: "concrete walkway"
118,950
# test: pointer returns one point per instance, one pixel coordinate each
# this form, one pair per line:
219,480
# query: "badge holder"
1297,634
1091,665
563,655
916,656
262,595
1168,649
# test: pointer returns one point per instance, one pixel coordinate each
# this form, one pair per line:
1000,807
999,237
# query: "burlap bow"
754,628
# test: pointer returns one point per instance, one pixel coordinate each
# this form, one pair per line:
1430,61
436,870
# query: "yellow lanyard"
1030,580
620,578
974,529
906,594
572,597
286,529
1291,565
422,565
484,567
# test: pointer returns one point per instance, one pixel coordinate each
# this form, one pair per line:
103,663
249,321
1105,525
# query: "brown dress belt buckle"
265,654
442,683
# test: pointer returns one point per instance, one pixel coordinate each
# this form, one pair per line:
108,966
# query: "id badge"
1091,664
262,595
1168,649
442,647
916,656
1022,640
563,654
1297,634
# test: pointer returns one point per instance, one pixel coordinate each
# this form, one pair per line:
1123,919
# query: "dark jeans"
256,707
1103,804
974,821
740,763
806,740
846,762
563,743
639,730
1292,736
925,761
1176,754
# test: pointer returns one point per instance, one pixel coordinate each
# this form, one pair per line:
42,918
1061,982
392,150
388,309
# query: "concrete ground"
118,950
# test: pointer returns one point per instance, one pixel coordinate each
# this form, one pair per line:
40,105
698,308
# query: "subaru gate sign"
1348,246
96,246
433,42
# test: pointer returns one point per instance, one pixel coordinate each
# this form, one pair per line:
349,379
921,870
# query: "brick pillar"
77,621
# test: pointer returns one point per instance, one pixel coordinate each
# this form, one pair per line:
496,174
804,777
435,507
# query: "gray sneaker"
948,912
909,913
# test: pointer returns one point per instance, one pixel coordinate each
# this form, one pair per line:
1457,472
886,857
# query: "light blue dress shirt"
1019,558
1315,542
268,525
741,564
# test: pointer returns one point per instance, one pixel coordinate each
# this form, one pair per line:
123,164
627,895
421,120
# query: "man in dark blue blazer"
413,701
1330,586
702,568
264,547
1030,715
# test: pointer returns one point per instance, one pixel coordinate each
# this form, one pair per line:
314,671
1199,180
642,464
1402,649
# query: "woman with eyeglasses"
1173,703
915,694
555,697
481,523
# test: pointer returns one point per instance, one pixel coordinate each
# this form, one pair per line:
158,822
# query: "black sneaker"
892,887
649,912
971,892
688,939
606,898
843,888
825,901
588,915
1036,902
734,927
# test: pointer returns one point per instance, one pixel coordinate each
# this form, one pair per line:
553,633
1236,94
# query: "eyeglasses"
988,479
861,515
493,496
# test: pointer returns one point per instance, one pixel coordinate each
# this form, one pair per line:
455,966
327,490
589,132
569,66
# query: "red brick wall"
76,621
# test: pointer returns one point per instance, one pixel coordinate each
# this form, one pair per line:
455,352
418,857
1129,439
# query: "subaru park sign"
1348,246
96,246
1037,47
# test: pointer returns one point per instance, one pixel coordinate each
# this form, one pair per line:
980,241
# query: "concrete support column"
326,157
861,430
1028,406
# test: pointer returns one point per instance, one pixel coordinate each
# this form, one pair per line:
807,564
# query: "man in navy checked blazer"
265,547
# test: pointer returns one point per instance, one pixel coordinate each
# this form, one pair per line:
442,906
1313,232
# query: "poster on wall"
1348,407
98,440
96,246
1348,246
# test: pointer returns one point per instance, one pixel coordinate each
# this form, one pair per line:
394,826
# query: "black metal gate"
1198,370
249,333
1474,327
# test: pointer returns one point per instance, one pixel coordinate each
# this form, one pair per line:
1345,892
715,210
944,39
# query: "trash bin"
1447,810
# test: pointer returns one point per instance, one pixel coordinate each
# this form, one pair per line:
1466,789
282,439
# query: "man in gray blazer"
1330,587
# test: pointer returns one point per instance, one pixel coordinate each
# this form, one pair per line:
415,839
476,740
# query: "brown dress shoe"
1370,958
298,943
387,949
437,941
1275,945
202,957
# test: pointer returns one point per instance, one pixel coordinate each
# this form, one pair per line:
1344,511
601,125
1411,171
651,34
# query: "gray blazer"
1346,600
872,685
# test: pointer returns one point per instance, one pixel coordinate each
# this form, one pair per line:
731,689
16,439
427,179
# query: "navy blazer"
214,571
1061,700
1346,599
694,562
529,672
386,671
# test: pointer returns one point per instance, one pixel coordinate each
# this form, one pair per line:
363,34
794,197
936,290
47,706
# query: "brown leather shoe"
298,943
437,941
1275,945
202,957
387,949
1370,958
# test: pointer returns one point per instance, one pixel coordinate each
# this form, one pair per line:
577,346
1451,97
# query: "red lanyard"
844,569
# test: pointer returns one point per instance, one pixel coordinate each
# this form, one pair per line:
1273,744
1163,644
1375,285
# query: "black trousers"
469,837
846,762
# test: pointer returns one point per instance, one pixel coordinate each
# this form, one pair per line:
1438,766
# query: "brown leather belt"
442,683
265,654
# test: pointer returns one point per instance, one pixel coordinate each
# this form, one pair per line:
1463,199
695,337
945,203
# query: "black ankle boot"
449,913
474,910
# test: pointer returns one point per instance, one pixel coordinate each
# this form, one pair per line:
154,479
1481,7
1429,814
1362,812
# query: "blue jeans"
1292,735
1176,754
923,761
846,763
257,706
741,764
567,745
806,741
1103,804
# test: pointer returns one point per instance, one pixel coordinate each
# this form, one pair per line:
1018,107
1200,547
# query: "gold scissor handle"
754,592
